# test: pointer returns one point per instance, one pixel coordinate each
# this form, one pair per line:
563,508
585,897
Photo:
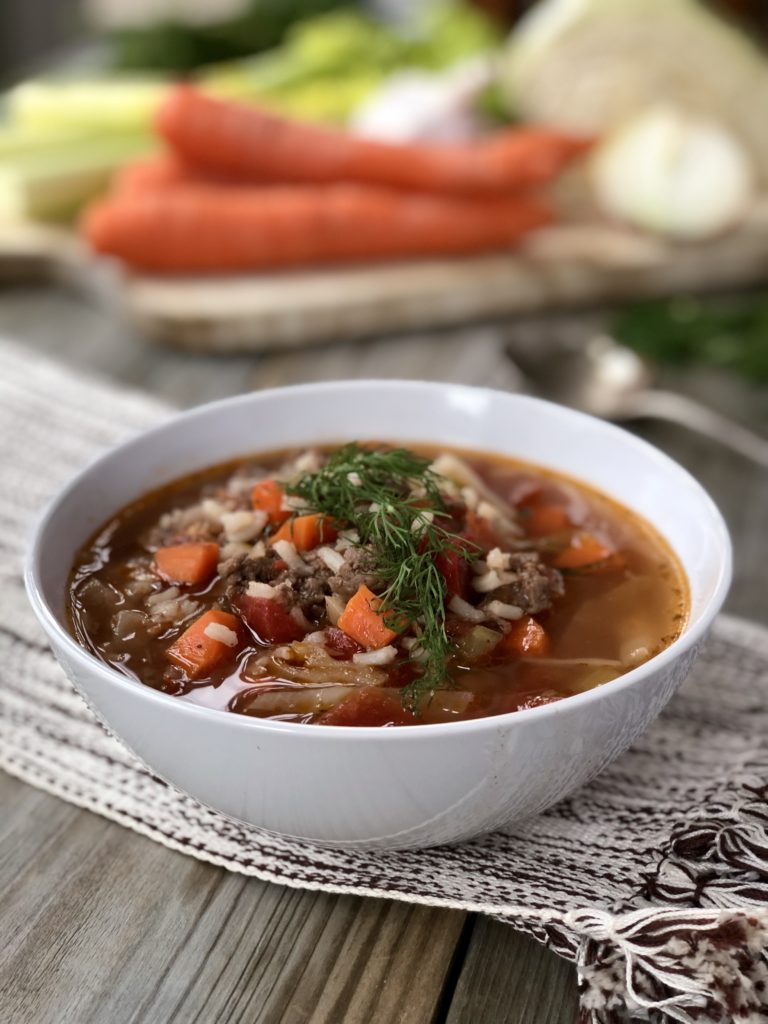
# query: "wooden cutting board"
566,266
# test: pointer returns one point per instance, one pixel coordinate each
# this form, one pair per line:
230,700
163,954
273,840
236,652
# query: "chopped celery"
477,643
113,105
53,183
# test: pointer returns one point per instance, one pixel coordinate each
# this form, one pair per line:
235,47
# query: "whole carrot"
208,229
247,143
151,172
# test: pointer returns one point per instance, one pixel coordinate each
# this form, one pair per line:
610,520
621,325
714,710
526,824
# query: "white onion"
334,606
673,173
232,550
383,656
318,637
465,610
504,611
332,559
287,551
256,589
243,526
162,596
212,509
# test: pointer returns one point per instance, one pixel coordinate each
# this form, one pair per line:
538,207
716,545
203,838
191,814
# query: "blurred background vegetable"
589,64
729,333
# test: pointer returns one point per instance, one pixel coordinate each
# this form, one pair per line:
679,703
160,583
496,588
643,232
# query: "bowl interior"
590,450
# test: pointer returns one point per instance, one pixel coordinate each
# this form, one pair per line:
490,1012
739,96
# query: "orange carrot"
543,520
244,142
191,564
210,228
362,621
587,552
306,532
526,638
267,496
200,654
152,172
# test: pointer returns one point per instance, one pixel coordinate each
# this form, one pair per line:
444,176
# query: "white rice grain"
243,526
334,560
502,610
287,551
384,656
221,633
256,589
465,610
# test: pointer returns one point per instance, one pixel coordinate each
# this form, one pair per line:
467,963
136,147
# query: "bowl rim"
688,639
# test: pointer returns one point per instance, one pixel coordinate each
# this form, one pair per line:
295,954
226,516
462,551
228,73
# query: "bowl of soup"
380,614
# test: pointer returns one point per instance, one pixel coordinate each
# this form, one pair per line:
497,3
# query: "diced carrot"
200,654
587,552
526,638
306,532
543,520
191,564
267,496
362,621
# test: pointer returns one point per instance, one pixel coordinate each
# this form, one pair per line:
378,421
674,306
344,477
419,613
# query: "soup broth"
370,585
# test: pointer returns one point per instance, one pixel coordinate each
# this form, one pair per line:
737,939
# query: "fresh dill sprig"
392,498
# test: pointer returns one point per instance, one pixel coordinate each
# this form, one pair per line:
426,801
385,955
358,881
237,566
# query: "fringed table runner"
653,880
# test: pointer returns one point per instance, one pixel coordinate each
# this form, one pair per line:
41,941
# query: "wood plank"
101,924
567,266
508,978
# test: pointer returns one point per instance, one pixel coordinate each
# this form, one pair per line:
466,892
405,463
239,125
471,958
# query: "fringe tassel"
699,953
684,966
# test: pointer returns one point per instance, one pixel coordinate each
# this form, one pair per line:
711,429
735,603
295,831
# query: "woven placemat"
653,879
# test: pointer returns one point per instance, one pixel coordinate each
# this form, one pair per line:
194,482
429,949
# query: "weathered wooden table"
101,926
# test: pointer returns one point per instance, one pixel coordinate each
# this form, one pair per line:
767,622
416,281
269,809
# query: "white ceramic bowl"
396,787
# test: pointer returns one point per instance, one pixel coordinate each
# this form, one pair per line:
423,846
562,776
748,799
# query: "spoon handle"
666,405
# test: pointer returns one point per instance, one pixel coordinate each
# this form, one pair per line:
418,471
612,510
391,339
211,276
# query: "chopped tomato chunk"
480,532
370,706
455,571
363,622
211,640
269,619
188,564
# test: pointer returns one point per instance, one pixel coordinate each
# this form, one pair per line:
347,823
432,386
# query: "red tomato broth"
614,618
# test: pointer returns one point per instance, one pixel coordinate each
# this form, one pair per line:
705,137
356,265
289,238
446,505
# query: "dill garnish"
392,498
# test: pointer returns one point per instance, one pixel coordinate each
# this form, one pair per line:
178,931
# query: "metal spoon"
609,380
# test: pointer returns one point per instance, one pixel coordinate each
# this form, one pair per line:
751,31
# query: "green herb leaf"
392,498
